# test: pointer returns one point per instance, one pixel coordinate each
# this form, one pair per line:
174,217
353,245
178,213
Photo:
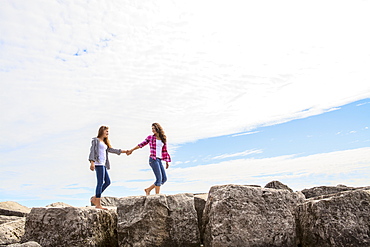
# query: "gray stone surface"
239,215
342,219
158,220
12,232
109,201
70,226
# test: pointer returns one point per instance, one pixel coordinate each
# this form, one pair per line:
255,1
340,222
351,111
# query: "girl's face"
153,130
106,133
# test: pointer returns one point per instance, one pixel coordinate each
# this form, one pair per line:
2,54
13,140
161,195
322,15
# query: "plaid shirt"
151,140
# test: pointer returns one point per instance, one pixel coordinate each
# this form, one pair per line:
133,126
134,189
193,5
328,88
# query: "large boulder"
158,220
342,219
12,221
10,208
11,232
70,226
240,215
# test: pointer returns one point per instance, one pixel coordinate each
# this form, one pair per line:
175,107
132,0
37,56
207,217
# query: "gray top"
94,152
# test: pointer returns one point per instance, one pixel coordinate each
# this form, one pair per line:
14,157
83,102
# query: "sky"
247,92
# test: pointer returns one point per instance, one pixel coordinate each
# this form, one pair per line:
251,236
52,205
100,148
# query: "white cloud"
226,80
363,104
300,171
244,153
247,133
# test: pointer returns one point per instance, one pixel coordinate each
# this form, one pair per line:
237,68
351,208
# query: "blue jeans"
158,169
103,180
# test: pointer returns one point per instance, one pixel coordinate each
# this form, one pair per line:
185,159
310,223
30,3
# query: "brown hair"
158,128
100,134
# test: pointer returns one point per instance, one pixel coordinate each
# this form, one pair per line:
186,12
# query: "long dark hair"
158,128
101,133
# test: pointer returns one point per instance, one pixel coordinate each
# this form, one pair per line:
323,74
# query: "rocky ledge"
229,215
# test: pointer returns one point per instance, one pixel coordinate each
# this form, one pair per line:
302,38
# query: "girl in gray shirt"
100,146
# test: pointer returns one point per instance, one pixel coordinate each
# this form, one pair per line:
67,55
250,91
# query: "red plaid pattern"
151,140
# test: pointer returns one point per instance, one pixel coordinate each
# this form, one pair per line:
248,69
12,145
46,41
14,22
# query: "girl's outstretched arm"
130,151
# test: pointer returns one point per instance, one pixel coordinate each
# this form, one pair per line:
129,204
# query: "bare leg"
157,189
147,190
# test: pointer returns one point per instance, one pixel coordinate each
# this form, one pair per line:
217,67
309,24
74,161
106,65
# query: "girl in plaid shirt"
158,152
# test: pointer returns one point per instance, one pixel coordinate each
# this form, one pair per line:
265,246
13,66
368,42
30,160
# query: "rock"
58,205
338,220
329,190
12,232
27,244
108,201
158,220
200,203
278,185
70,226
5,219
240,215
13,209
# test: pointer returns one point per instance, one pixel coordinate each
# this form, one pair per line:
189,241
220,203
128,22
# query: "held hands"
127,152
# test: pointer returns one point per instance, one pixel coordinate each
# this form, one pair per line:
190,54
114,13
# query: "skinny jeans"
103,180
159,171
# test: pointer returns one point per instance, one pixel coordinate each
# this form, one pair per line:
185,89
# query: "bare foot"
147,192
100,207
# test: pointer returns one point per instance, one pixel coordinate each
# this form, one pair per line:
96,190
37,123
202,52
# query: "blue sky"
265,93
340,129
344,128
